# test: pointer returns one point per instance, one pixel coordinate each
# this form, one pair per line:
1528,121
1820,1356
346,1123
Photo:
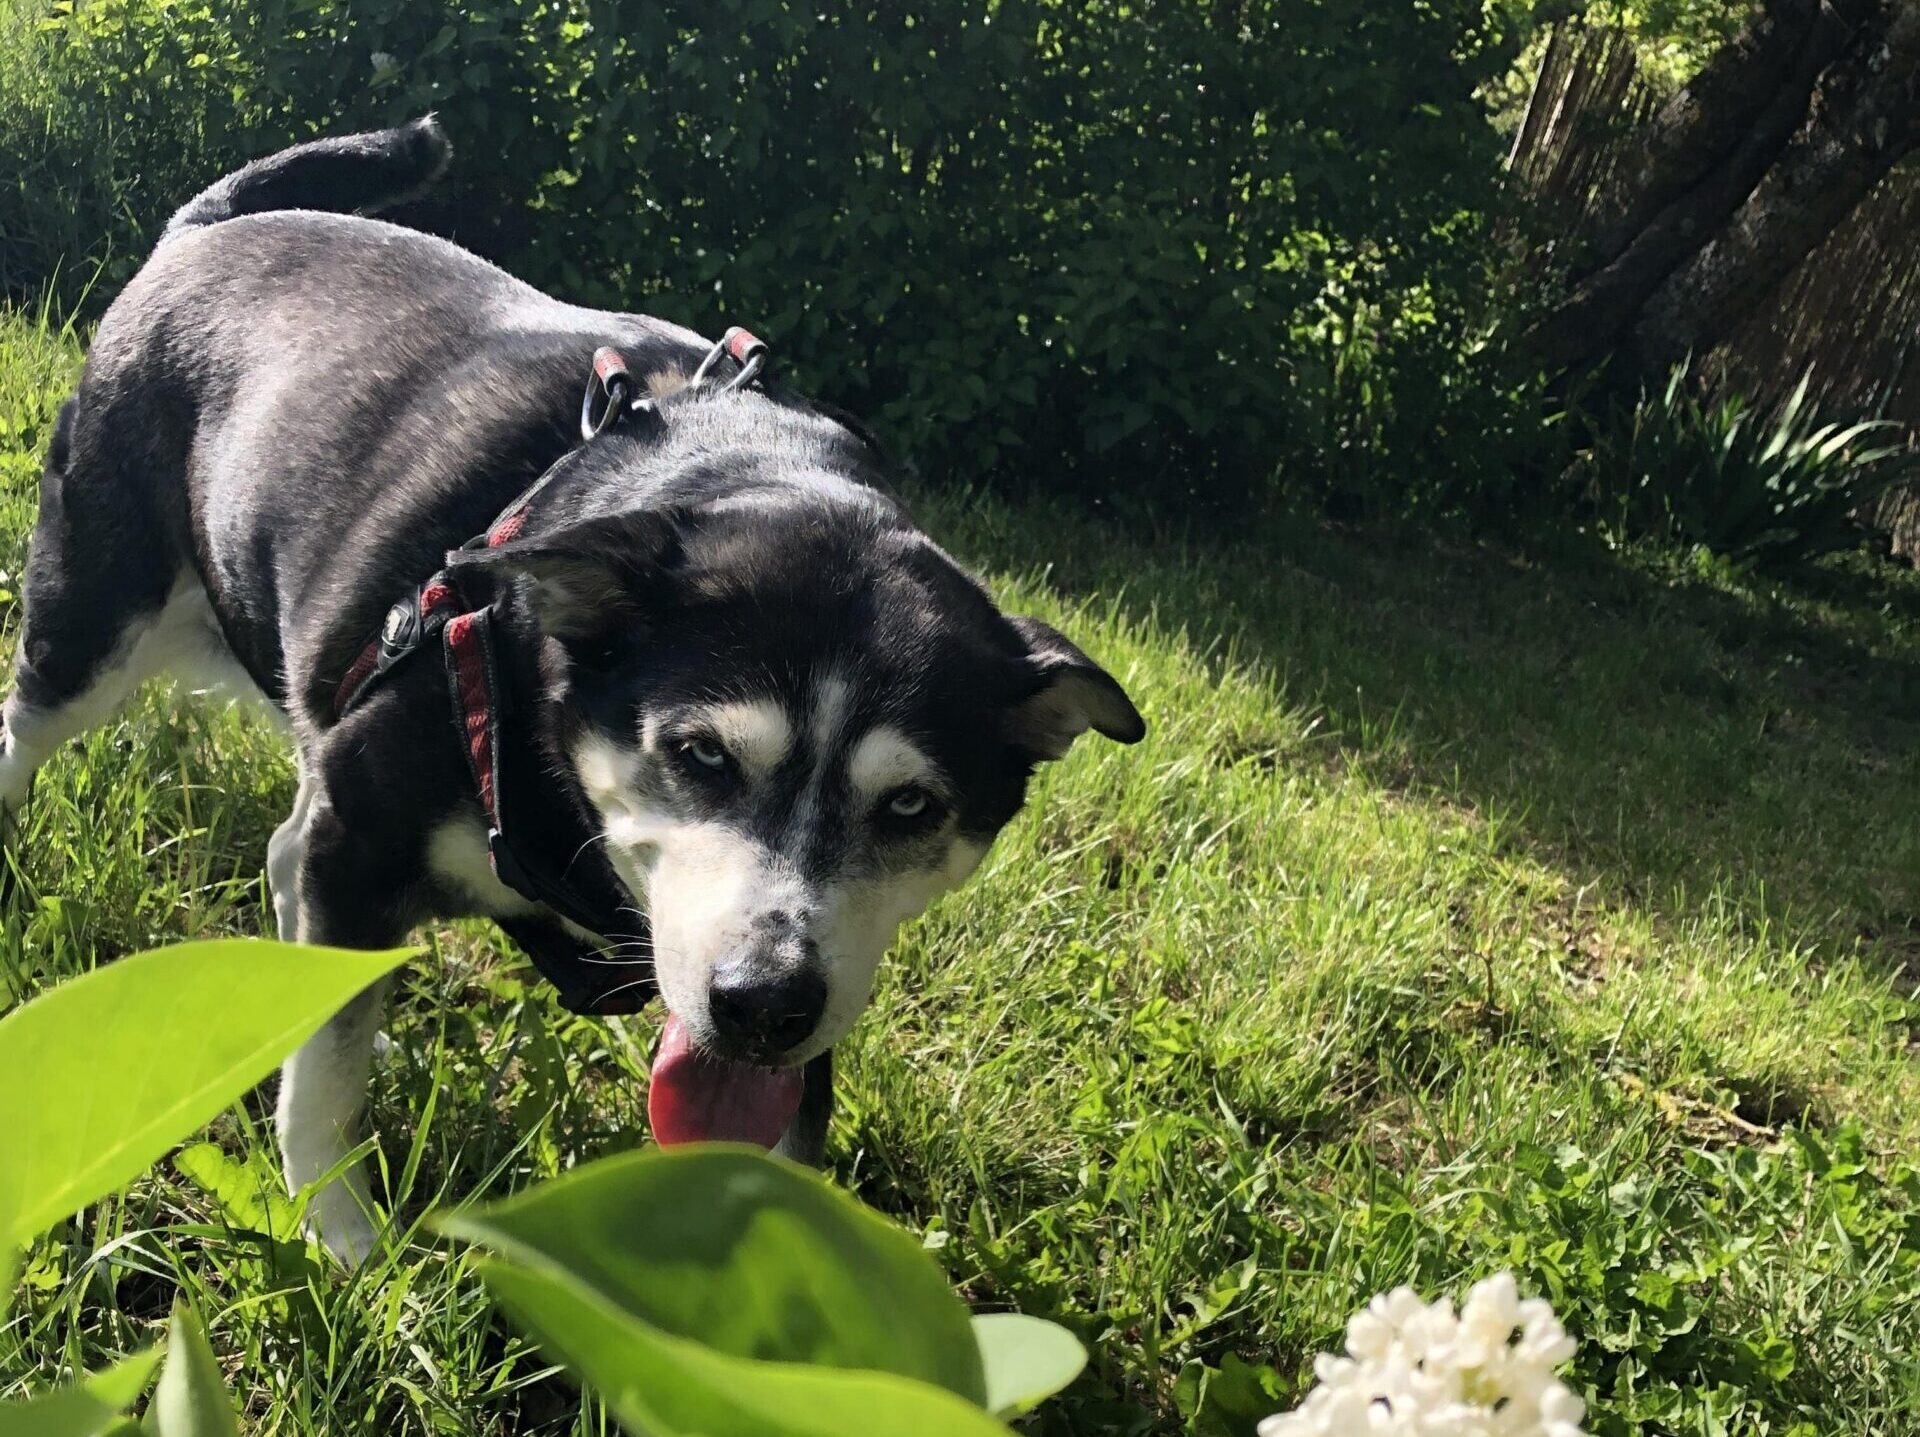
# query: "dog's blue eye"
908,803
705,752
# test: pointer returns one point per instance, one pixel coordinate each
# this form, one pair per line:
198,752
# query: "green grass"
1464,909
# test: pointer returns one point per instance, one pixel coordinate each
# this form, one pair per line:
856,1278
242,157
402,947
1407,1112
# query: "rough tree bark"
1710,116
1745,173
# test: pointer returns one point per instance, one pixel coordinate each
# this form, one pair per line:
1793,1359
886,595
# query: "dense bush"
1174,249
1757,488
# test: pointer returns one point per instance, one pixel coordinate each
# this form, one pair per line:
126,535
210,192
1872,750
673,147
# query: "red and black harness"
465,627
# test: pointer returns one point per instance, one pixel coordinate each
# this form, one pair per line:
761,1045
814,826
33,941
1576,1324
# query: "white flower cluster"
1414,1369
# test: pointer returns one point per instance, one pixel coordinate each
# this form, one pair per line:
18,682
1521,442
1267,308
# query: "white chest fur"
457,857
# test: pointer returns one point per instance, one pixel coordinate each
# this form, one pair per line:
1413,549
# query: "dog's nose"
766,1010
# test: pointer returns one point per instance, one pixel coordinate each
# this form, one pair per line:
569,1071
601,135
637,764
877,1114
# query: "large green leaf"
101,1075
659,1385
747,1255
191,1400
1027,1360
86,1409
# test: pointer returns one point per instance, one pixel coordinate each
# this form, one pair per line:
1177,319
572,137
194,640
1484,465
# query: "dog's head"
798,720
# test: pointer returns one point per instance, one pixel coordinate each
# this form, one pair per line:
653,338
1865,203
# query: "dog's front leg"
322,1090
805,1140
325,892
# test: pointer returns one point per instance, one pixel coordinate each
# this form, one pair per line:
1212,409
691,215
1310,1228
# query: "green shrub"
84,97
1173,249
1757,489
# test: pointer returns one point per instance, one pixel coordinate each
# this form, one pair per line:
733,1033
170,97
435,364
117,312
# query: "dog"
666,682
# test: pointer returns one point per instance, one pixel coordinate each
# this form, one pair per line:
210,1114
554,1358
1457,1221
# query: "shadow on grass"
1678,739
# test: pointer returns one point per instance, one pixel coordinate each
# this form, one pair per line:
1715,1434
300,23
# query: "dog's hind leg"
105,608
63,687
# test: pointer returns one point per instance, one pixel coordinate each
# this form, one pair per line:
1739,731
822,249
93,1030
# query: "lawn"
1466,908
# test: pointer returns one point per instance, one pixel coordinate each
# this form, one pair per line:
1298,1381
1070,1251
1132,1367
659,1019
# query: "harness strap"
472,684
584,985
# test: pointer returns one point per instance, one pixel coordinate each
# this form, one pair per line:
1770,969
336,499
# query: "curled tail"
344,173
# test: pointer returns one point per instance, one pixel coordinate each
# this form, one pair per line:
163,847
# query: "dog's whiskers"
589,843
621,988
594,961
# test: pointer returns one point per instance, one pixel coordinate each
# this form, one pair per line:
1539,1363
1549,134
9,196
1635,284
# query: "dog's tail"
345,173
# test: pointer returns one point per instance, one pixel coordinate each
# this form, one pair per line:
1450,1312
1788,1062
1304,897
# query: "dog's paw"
338,1223
16,777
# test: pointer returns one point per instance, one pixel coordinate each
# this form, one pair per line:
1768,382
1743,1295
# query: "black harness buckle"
400,631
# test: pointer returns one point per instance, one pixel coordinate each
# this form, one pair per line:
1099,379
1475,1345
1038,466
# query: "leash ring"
610,377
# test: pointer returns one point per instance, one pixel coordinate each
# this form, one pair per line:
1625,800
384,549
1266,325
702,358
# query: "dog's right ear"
586,579
1066,693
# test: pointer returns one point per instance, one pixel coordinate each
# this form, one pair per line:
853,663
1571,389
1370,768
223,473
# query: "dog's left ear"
586,579
1069,693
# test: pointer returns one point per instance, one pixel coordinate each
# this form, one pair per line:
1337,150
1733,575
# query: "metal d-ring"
748,351
706,365
610,377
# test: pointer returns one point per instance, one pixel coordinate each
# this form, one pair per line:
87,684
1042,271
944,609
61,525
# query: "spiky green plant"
1760,489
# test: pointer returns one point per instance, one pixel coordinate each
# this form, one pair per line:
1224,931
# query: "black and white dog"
708,696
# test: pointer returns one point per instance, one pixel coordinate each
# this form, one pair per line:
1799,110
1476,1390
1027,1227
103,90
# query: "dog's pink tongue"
695,1097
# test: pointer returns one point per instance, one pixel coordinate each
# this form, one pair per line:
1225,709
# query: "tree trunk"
1745,172
1865,117
1711,116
